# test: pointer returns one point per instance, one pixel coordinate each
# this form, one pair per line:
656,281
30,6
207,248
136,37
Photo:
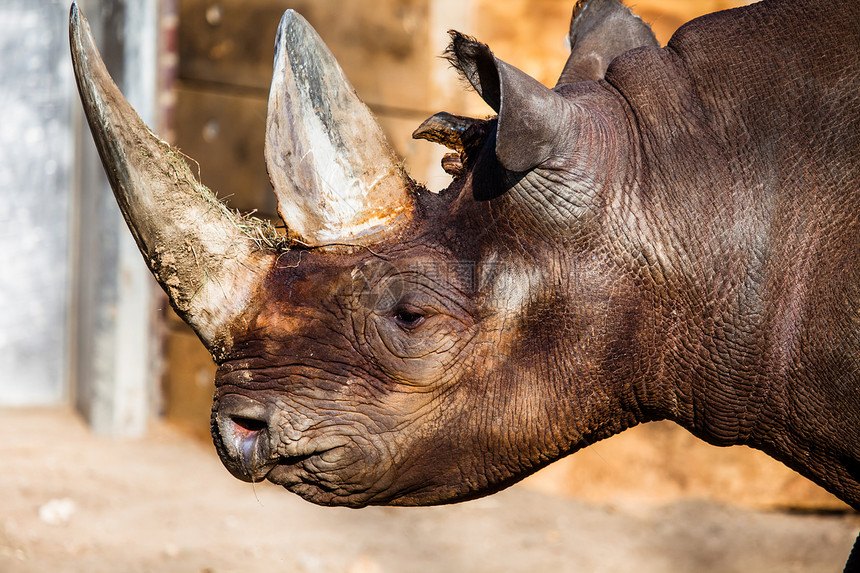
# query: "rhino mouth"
245,453
252,448
320,478
291,470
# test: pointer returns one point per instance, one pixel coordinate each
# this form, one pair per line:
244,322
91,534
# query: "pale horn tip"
80,35
75,16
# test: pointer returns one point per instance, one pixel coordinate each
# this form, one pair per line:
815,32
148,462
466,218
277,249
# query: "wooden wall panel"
380,44
188,386
530,34
223,132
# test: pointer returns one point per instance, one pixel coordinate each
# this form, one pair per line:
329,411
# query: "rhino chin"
319,495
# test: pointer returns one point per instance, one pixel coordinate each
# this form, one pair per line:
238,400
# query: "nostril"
243,437
247,440
248,425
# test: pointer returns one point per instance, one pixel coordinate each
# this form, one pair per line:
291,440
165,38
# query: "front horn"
208,259
336,178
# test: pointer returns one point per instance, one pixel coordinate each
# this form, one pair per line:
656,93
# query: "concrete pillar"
36,165
116,359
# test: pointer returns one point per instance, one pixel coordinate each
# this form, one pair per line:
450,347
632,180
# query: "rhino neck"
751,285
575,345
576,318
758,348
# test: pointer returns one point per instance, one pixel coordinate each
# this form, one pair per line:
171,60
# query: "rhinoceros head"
397,346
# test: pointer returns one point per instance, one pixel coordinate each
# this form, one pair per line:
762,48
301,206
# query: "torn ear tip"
459,39
424,130
420,132
467,47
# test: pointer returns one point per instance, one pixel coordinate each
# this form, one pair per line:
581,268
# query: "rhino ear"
531,116
446,129
477,64
461,134
601,30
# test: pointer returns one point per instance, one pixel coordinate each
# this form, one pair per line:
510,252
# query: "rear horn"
336,178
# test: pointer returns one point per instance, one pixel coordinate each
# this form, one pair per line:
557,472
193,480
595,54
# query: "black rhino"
669,233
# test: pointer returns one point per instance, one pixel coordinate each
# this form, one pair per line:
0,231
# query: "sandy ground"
73,502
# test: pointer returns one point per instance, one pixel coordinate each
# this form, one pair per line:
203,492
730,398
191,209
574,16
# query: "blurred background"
100,376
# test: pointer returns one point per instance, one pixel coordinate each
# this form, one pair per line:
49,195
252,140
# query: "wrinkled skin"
430,409
690,251
676,239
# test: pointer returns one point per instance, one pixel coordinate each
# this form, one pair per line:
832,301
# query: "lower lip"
287,470
287,474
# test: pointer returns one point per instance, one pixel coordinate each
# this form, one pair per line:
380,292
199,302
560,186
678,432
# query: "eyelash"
407,318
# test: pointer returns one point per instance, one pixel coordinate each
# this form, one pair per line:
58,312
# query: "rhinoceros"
667,234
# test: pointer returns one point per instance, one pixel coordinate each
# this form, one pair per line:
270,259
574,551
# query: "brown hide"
678,240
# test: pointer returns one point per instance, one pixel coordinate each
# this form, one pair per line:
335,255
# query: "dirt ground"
73,502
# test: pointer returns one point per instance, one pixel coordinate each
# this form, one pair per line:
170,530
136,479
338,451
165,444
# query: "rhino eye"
407,318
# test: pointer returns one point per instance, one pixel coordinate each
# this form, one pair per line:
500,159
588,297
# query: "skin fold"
677,238
688,251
